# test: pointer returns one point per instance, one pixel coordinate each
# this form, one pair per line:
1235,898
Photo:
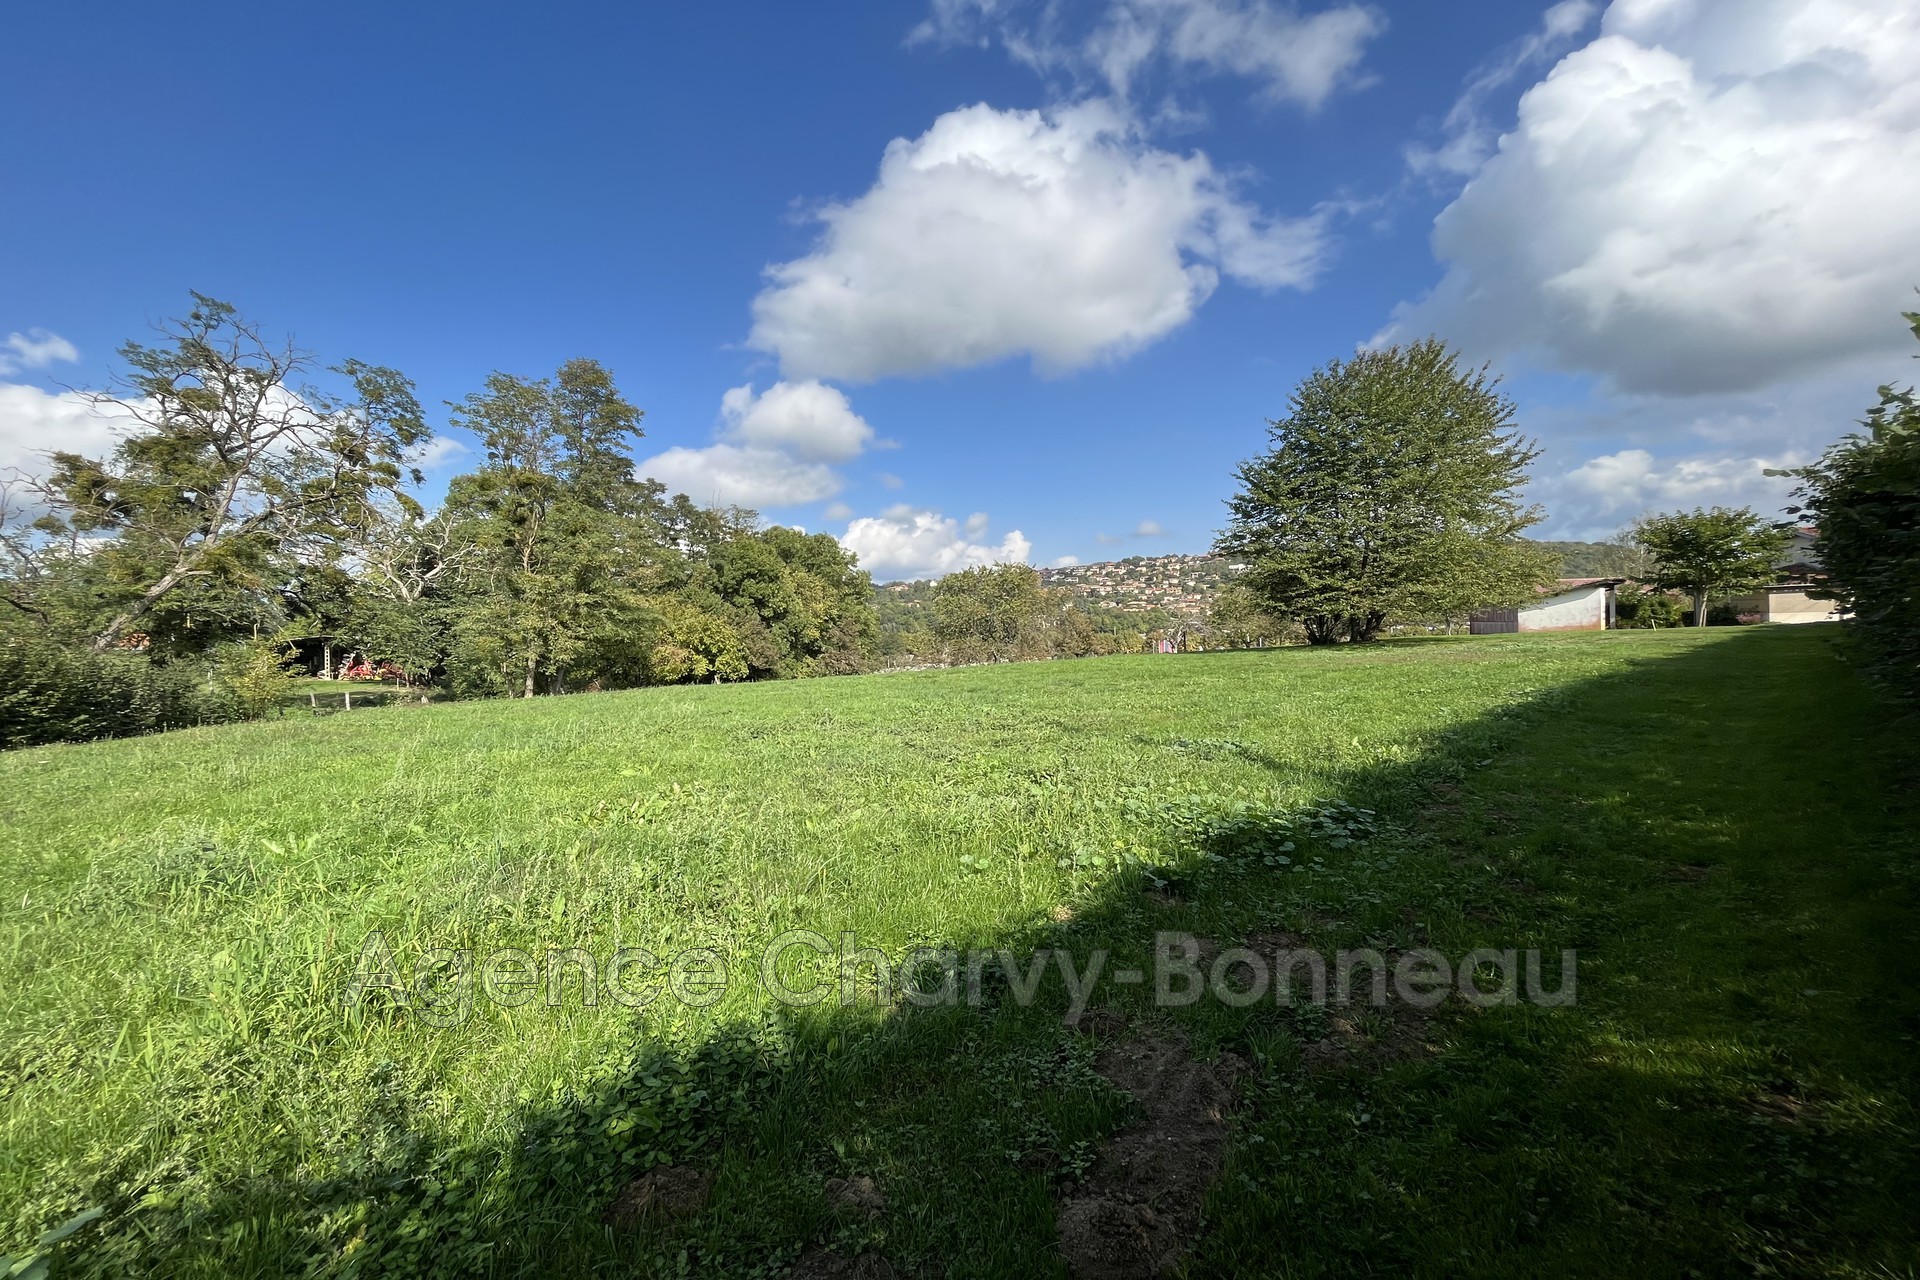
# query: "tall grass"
186,910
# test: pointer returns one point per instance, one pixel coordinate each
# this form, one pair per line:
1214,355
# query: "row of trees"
258,505
1004,613
257,500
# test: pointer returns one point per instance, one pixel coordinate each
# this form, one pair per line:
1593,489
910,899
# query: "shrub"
52,692
1641,608
256,673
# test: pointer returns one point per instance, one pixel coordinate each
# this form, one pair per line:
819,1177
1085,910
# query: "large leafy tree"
1711,552
995,612
1392,487
231,455
564,545
807,591
1864,496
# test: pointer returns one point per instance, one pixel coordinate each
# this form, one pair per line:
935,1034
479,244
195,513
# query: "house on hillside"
1572,604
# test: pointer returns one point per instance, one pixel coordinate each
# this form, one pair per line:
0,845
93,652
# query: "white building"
1574,604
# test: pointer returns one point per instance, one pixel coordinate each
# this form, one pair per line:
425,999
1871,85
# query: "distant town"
1182,585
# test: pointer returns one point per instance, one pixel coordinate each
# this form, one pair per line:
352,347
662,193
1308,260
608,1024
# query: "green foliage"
563,548
693,644
804,593
549,568
991,614
1597,559
256,672
1639,608
1864,495
1240,619
1716,552
60,692
37,1264
1391,490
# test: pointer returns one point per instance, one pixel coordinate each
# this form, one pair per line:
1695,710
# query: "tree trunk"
138,609
1321,629
326,658
527,689
1363,628
1699,608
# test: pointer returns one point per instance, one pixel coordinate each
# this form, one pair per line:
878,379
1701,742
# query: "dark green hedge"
50,692
1865,497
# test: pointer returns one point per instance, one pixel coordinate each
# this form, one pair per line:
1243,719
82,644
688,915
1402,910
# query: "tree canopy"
1711,552
1392,488
252,505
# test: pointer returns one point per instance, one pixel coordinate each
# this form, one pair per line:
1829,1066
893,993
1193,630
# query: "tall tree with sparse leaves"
229,456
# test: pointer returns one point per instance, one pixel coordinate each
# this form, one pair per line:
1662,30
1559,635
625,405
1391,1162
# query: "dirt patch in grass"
1138,1209
671,1191
1371,1039
1781,1103
819,1264
858,1194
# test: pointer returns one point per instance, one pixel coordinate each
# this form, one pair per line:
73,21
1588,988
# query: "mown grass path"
1722,824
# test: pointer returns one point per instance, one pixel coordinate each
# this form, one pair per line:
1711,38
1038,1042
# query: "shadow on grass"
1733,1090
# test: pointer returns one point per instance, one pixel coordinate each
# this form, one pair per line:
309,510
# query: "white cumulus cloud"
437,452
807,419
35,349
34,423
1294,56
912,542
1604,493
775,448
1061,235
1711,195
745,477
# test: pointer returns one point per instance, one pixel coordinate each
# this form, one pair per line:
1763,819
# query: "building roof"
1568,584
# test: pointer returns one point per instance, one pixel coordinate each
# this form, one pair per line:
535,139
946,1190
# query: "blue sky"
993,279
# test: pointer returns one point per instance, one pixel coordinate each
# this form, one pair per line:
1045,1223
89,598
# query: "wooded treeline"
258,514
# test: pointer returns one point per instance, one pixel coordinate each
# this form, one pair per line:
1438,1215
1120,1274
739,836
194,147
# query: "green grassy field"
1722,823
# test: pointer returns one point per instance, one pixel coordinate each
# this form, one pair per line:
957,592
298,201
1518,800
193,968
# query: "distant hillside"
1597,559
1185,586
1181,585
